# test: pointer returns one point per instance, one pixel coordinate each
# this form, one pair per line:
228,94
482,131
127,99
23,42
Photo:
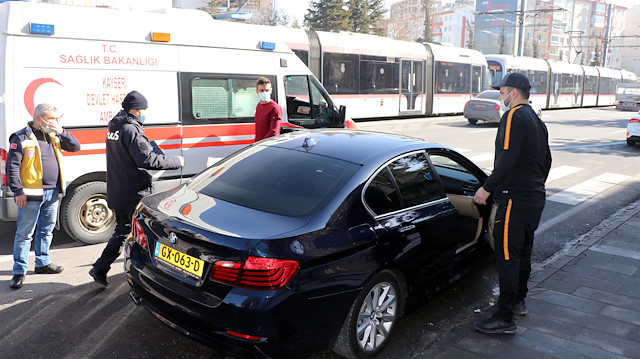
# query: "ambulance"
198,75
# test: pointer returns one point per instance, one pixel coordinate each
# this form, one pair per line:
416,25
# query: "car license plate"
179,261
481,106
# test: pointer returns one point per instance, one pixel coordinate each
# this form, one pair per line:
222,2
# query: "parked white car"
633,130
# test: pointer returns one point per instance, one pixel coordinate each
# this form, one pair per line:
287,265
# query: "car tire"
631,142
473,122
377,307
85,214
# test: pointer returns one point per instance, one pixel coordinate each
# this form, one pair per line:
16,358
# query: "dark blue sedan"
307,242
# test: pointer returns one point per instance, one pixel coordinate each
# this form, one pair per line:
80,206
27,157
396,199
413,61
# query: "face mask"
46,129
504,107
264,96
143,116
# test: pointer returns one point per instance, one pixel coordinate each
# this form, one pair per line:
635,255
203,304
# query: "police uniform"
129,157
521,166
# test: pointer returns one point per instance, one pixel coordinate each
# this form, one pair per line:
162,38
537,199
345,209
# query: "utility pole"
521,28
607,36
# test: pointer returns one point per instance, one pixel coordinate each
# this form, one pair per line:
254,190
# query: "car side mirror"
339,116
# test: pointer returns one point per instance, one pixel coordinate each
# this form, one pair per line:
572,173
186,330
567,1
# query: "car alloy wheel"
372,318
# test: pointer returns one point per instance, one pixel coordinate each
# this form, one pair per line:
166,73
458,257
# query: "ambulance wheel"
86,217
631,142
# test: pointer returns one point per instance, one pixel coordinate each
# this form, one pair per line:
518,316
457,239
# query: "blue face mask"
143,116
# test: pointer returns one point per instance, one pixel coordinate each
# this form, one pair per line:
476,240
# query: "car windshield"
275,180
493,95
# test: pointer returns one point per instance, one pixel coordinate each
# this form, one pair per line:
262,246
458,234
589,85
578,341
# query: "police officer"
129,157
521,166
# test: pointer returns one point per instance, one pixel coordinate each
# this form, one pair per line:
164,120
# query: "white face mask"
264,96
46,129
504,106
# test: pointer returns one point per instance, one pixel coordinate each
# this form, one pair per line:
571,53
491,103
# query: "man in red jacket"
268,113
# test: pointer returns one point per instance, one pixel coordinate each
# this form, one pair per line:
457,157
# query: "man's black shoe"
49,269
520,308
16,281
99,277
494,325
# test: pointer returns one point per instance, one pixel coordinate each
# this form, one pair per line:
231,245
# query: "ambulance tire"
85,215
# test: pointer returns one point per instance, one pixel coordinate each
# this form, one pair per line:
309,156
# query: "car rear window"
493,95
275,180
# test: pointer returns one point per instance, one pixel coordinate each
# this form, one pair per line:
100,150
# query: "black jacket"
129,156
523,158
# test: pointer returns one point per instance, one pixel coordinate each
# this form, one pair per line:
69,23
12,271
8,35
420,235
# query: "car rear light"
496,107
138,232
255,272
634,120
244,336
466,104
3,162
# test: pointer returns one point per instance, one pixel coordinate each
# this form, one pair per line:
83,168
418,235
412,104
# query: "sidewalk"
583,304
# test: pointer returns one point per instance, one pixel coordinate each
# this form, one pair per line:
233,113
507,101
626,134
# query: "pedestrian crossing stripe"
562,171
587,189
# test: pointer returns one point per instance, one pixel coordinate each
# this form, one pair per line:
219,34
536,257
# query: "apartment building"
449,21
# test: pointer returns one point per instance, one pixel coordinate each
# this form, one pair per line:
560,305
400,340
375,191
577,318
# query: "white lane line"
481,157
562,171
480,131
585,190
462,150
619,131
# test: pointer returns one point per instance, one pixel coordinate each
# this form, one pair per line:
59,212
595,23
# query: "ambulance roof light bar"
233,16
43,29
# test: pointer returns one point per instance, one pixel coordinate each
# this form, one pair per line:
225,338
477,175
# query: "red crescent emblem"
30,91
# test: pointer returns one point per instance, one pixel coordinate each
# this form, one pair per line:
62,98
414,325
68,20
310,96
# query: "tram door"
412,99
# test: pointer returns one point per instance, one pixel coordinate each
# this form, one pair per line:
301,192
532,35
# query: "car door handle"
406,228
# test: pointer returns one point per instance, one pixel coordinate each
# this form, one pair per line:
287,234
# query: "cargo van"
197,73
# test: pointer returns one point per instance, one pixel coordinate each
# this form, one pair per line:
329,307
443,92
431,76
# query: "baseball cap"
515,80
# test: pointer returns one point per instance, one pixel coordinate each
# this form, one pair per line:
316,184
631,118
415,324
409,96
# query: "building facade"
449,21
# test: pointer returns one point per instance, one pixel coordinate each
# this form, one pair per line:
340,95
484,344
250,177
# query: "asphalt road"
69,316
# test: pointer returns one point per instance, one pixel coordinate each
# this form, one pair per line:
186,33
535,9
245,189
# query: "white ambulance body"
198,75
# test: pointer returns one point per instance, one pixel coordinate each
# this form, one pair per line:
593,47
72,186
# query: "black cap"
134,101
515,80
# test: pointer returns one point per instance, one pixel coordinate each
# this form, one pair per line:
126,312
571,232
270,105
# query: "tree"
502,40
596,56
212,6
270,17
365,16
327,15
427,34
471,42
535,49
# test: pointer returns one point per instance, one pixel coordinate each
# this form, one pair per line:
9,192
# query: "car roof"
355,146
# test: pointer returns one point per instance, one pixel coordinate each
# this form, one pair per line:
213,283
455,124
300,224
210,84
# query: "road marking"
480,131
482,157
585,190
562,171
462,150
619,131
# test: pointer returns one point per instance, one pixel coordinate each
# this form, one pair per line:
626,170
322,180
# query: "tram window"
452,77
223,98
591,85
476,79
538,81
303,55
607,86
340,73
379,76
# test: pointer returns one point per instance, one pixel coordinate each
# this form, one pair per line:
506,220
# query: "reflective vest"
31,167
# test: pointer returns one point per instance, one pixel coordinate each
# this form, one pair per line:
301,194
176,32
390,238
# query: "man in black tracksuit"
521,166
129,157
